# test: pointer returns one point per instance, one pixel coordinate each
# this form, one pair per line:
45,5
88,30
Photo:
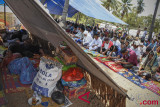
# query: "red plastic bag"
73,74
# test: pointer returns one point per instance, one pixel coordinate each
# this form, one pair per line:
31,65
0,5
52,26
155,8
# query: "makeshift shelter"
91,8
40,24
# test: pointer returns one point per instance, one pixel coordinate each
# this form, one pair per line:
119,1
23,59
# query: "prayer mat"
110,64
47,101
101,59
153,86
92,53
133,78
12,83
113,66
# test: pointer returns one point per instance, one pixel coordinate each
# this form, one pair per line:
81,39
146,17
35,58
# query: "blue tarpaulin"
1,2
91,8
56,7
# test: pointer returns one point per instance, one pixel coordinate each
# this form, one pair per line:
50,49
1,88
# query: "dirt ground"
20,100
134,91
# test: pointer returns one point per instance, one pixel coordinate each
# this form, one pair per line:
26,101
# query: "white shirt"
117,43
137,51
80,35
87,39
97,42
106,45
142,49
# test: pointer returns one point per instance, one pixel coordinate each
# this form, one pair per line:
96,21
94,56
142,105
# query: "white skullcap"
85,32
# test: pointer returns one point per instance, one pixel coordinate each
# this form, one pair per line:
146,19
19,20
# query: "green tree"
111,5
125,7
140,7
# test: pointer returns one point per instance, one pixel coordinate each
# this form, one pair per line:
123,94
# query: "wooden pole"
5,14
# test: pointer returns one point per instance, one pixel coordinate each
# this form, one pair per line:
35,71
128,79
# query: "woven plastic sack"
49,73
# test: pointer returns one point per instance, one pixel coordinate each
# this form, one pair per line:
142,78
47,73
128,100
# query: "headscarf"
150,65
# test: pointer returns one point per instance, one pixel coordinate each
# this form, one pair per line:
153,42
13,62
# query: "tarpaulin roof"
91,8
56,7
2,2
39,23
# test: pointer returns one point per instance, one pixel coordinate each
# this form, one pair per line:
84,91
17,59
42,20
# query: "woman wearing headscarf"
87,38
149,65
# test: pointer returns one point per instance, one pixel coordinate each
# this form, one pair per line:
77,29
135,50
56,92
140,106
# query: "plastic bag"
24,67
73,74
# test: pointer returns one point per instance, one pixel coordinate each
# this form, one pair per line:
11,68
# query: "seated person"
122,45
87,38
122,39
114,53
146,42
158,55
116,41
28,48
102,36
142,48
96,43
105,46
145,54
153,45
79,36
129,58
135,47
149,65
127,44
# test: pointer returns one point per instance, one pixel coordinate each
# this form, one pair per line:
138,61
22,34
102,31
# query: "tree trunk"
86,20
77,18
122,15
153,20
65,11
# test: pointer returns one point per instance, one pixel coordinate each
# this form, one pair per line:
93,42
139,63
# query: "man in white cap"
87,38
142,48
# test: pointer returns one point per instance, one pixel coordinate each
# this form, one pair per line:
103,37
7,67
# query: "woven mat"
153,86
29,93
12,83
92,53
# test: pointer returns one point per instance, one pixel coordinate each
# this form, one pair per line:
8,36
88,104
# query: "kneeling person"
105,46
129,58
96,43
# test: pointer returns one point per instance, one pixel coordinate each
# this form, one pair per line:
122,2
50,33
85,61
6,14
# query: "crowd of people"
131,52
